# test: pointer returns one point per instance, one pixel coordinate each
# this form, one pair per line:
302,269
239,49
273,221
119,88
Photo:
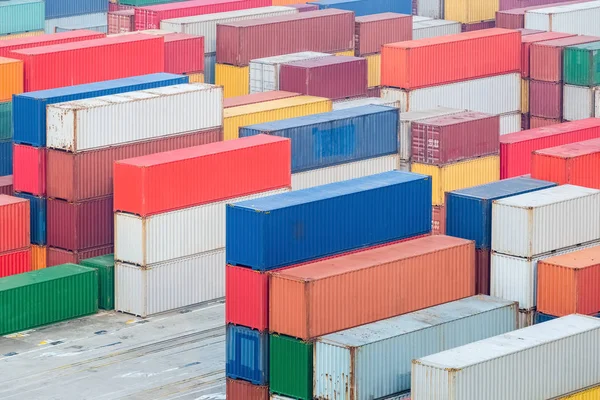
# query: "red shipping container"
525,122
516,148
91,61
374,92
241,390
121,21
304,7
477,26
326,31
203,174
373,31
455,137
6,46
80,176
574,163
482,264
29,169
184,54
14,223
335,77
438,220
6,185
80,226
15,262
515,18
540,122
59,256
113,7
545,99
150,17
546,58
450,58
526,42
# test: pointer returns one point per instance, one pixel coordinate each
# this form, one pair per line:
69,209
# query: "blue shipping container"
469,211
6,157
541,317
29,109
210,60
67,8
286,229
336,137
18,16
37,207
367,7
247,354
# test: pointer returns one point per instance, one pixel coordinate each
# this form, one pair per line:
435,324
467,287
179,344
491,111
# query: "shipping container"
90,61
539,122
184,53
474,95
546,99
29,169
21,16
264,72
37,217
94,22
533,224
466,11
290,367
378,101
434,28
299,7
14,262
441,266
6,185
11,78
247,355
257,98
515,18
526,32
459,175
482,271
38,257
337,137
477,26
510,123
564,346
197,78
373,31
105,265
121,21
14,223
579,18
6,46
59,256
234,80
525,125
373,70
65,8
367,7
29,109
6,131
581,64
343,361
274,243
236,117
579,102
525,96
242,390
510,4
6,162
243,41
516,148
588,394
18,35
527,41
142,3
526,318
428,8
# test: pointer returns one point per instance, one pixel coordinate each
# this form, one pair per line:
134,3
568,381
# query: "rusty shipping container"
259,97
546,99
373,31
455,137
335,77
323,297
14,223
327,31
6,185
527,41
80,176
59,256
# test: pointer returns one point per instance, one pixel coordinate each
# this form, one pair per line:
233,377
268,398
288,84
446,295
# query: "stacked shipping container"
15,250
581,82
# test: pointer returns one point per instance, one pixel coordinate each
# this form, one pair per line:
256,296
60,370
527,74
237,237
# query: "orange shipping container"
328,296
569,283
38,257
11,78
451,58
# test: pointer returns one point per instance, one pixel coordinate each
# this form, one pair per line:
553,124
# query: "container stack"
530,227
121,21
105,265
367,7
472,14
21,18
424,27
15,250
11,83
581,82
578,17
68,15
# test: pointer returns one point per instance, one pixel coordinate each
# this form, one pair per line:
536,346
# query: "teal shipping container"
105,265
21,16
6,120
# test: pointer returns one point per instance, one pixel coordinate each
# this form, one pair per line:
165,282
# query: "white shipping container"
134,116
344,172
435,27
420,18
525,318
578,102
264,72
167,286
430,8
580,18
84,21
342,105
534,224
510,123
539,362
181,233
343,361
499,94
206,25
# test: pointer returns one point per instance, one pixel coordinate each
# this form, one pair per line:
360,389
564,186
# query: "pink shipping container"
184,54
6,185
121,21
540,122
373,31
515,18
80,226
546,58
304,7
56,256
455,137
257,98
6,46
150,17
29,169
14,223
90,61
527,41
15,262
477,26
335,77
86,175
545,99
113,7
326,31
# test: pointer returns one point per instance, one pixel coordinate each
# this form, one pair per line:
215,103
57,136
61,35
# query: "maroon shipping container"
6,185
438,220
527,41
184,54
121,21
241,390
335,77
477,26
373,31
56,256
525,122
545,99
257,98
374,91
540,122
326,31
515,18
546,58
482,274
80,176
80,226
29,169
455,137
304,7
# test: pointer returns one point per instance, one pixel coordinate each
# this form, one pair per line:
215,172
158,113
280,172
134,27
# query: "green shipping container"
18,16
290,367
581,64
46,296
6,120
105,265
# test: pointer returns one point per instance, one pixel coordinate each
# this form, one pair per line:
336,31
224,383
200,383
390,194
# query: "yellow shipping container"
524,96
38,257
258,113
590,394
11,78
345,53
459,175
196,78
374,70
235,80
21,35
468,11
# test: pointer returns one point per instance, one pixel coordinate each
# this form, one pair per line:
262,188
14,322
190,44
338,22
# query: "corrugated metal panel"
429,8
581,18
290,367
145,291
64,8
545,99
567,347
526,318
210,62
38,257
373,31
344,361
131,117
21,16
524,96
59,256
105,265
581,64
14,223
247,354
29,169
367,7
37,207
235,80
6,185
588,394
23,41
84,21
237,389
21,35
15,262
262,238
466,11
6,157
257,98
578,102
377,101
433,28
373,70
537,223
121,21
197,77
498,94
11,78
6,120
510,123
